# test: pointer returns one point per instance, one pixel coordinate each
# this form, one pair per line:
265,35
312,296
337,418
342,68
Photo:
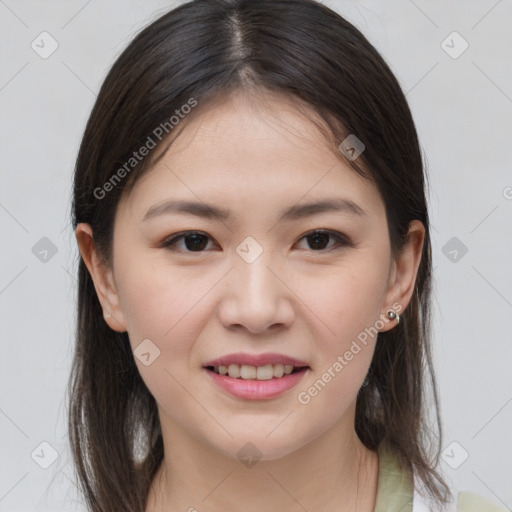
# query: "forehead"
248,152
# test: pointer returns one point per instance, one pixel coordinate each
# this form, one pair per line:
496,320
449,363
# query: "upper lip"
255,360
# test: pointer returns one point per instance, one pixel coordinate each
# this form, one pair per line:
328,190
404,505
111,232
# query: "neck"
335,471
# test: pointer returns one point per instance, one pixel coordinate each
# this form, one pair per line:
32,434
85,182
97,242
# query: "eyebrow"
295,212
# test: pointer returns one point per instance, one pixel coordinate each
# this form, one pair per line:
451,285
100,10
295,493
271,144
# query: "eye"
318,238
194,241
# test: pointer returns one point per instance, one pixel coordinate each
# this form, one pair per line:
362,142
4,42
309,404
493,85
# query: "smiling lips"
256,376
246,371
260,367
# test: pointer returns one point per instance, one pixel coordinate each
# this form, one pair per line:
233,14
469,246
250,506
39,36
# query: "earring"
392,315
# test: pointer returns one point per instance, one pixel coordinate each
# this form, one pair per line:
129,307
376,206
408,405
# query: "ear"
102,277
403,273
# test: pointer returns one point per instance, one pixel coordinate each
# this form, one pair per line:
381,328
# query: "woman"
254,288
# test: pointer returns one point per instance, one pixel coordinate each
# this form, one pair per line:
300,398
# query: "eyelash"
341,240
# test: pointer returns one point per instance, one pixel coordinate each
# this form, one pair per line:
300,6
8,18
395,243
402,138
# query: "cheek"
345,300
166,305
156,301
346,308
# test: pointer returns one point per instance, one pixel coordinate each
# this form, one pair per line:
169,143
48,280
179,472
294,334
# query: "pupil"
196,242
316,236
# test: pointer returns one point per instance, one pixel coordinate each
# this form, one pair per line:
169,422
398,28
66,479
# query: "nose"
256,296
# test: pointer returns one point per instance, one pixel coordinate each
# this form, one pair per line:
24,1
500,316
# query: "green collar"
395,486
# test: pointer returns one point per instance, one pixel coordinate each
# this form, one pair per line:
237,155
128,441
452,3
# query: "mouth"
248,382
260,373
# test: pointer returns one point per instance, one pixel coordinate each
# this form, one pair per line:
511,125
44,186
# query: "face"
195,286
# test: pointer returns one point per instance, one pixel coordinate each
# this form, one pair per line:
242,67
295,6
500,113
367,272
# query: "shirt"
396,492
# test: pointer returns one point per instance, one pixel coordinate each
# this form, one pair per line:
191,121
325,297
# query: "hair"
199,52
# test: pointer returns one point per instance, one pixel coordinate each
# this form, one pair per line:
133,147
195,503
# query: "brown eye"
193,242
319,240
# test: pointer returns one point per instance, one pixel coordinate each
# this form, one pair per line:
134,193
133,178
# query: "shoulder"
462,501
470,502
396,490
466,501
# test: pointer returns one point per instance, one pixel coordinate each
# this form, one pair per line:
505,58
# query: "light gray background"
463,110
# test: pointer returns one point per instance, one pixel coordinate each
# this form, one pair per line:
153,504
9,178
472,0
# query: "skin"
255,156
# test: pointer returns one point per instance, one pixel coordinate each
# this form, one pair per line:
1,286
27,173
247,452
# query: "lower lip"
253,389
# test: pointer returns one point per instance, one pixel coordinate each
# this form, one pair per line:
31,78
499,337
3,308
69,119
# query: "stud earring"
392,315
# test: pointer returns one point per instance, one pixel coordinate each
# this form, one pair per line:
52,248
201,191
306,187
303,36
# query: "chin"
259,446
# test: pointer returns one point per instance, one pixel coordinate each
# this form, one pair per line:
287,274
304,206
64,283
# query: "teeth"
246,371
264,372
234,371
278,370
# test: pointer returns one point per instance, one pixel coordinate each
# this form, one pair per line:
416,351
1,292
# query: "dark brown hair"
202,50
